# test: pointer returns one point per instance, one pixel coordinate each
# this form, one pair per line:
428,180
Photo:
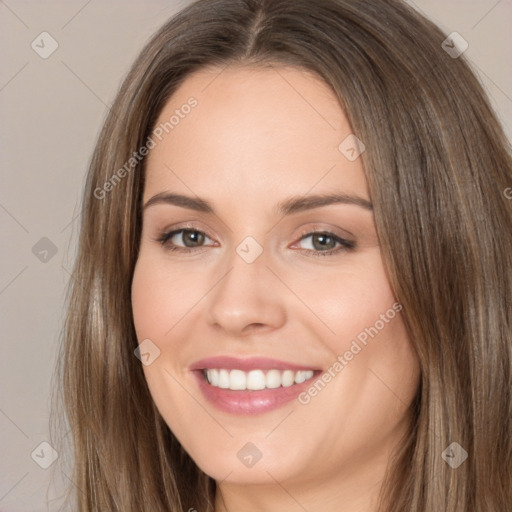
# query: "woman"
211,361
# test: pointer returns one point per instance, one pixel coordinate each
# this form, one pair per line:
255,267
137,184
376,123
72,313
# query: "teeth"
223,379
300,377
256,380
238,380
288,378
273,379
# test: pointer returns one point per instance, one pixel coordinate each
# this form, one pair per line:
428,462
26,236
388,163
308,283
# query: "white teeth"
288,378
237,380
273,379
223,379
254,380
300,377
213,376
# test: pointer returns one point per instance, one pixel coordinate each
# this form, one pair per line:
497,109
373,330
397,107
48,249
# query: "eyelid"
187,226
167,234
343,234
344,244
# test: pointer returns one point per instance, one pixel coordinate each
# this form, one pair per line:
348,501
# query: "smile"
248,386
255,380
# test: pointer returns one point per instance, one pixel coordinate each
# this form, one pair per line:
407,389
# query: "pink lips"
247,402
253,363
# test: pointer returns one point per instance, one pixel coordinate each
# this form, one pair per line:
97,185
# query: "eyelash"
346,245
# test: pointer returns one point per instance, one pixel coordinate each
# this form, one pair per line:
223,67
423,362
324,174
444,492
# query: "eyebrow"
288,207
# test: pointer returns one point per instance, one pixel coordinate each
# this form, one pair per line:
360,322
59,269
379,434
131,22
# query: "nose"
247,299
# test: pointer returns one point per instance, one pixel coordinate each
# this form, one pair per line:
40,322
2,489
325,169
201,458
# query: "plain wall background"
51,113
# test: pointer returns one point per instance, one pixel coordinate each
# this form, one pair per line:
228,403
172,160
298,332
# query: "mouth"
255,380
251,386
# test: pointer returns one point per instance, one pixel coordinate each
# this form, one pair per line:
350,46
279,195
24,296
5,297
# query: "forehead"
263,129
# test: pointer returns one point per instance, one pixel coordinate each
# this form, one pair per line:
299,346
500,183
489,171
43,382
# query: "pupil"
195,237
322,238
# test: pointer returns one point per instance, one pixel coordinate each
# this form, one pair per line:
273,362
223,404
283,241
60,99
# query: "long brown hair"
437,165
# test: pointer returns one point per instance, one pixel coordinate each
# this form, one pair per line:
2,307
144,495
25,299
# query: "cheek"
160,298
159,305
351,304
374,367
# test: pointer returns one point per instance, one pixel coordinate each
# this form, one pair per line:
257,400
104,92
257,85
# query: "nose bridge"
246,294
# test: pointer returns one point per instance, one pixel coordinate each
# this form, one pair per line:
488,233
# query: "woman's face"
249,295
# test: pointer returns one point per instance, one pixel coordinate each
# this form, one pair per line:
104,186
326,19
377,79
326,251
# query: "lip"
248,402
246,364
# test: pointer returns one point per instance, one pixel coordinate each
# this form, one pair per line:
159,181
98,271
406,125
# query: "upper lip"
247,364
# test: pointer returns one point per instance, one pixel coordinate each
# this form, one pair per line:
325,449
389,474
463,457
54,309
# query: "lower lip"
250,402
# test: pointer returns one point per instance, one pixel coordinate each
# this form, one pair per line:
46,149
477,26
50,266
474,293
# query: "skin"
257,137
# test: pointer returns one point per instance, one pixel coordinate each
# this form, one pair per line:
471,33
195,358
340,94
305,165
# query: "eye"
190,238
323,243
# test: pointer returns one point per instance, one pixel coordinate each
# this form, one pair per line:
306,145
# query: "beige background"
51,112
